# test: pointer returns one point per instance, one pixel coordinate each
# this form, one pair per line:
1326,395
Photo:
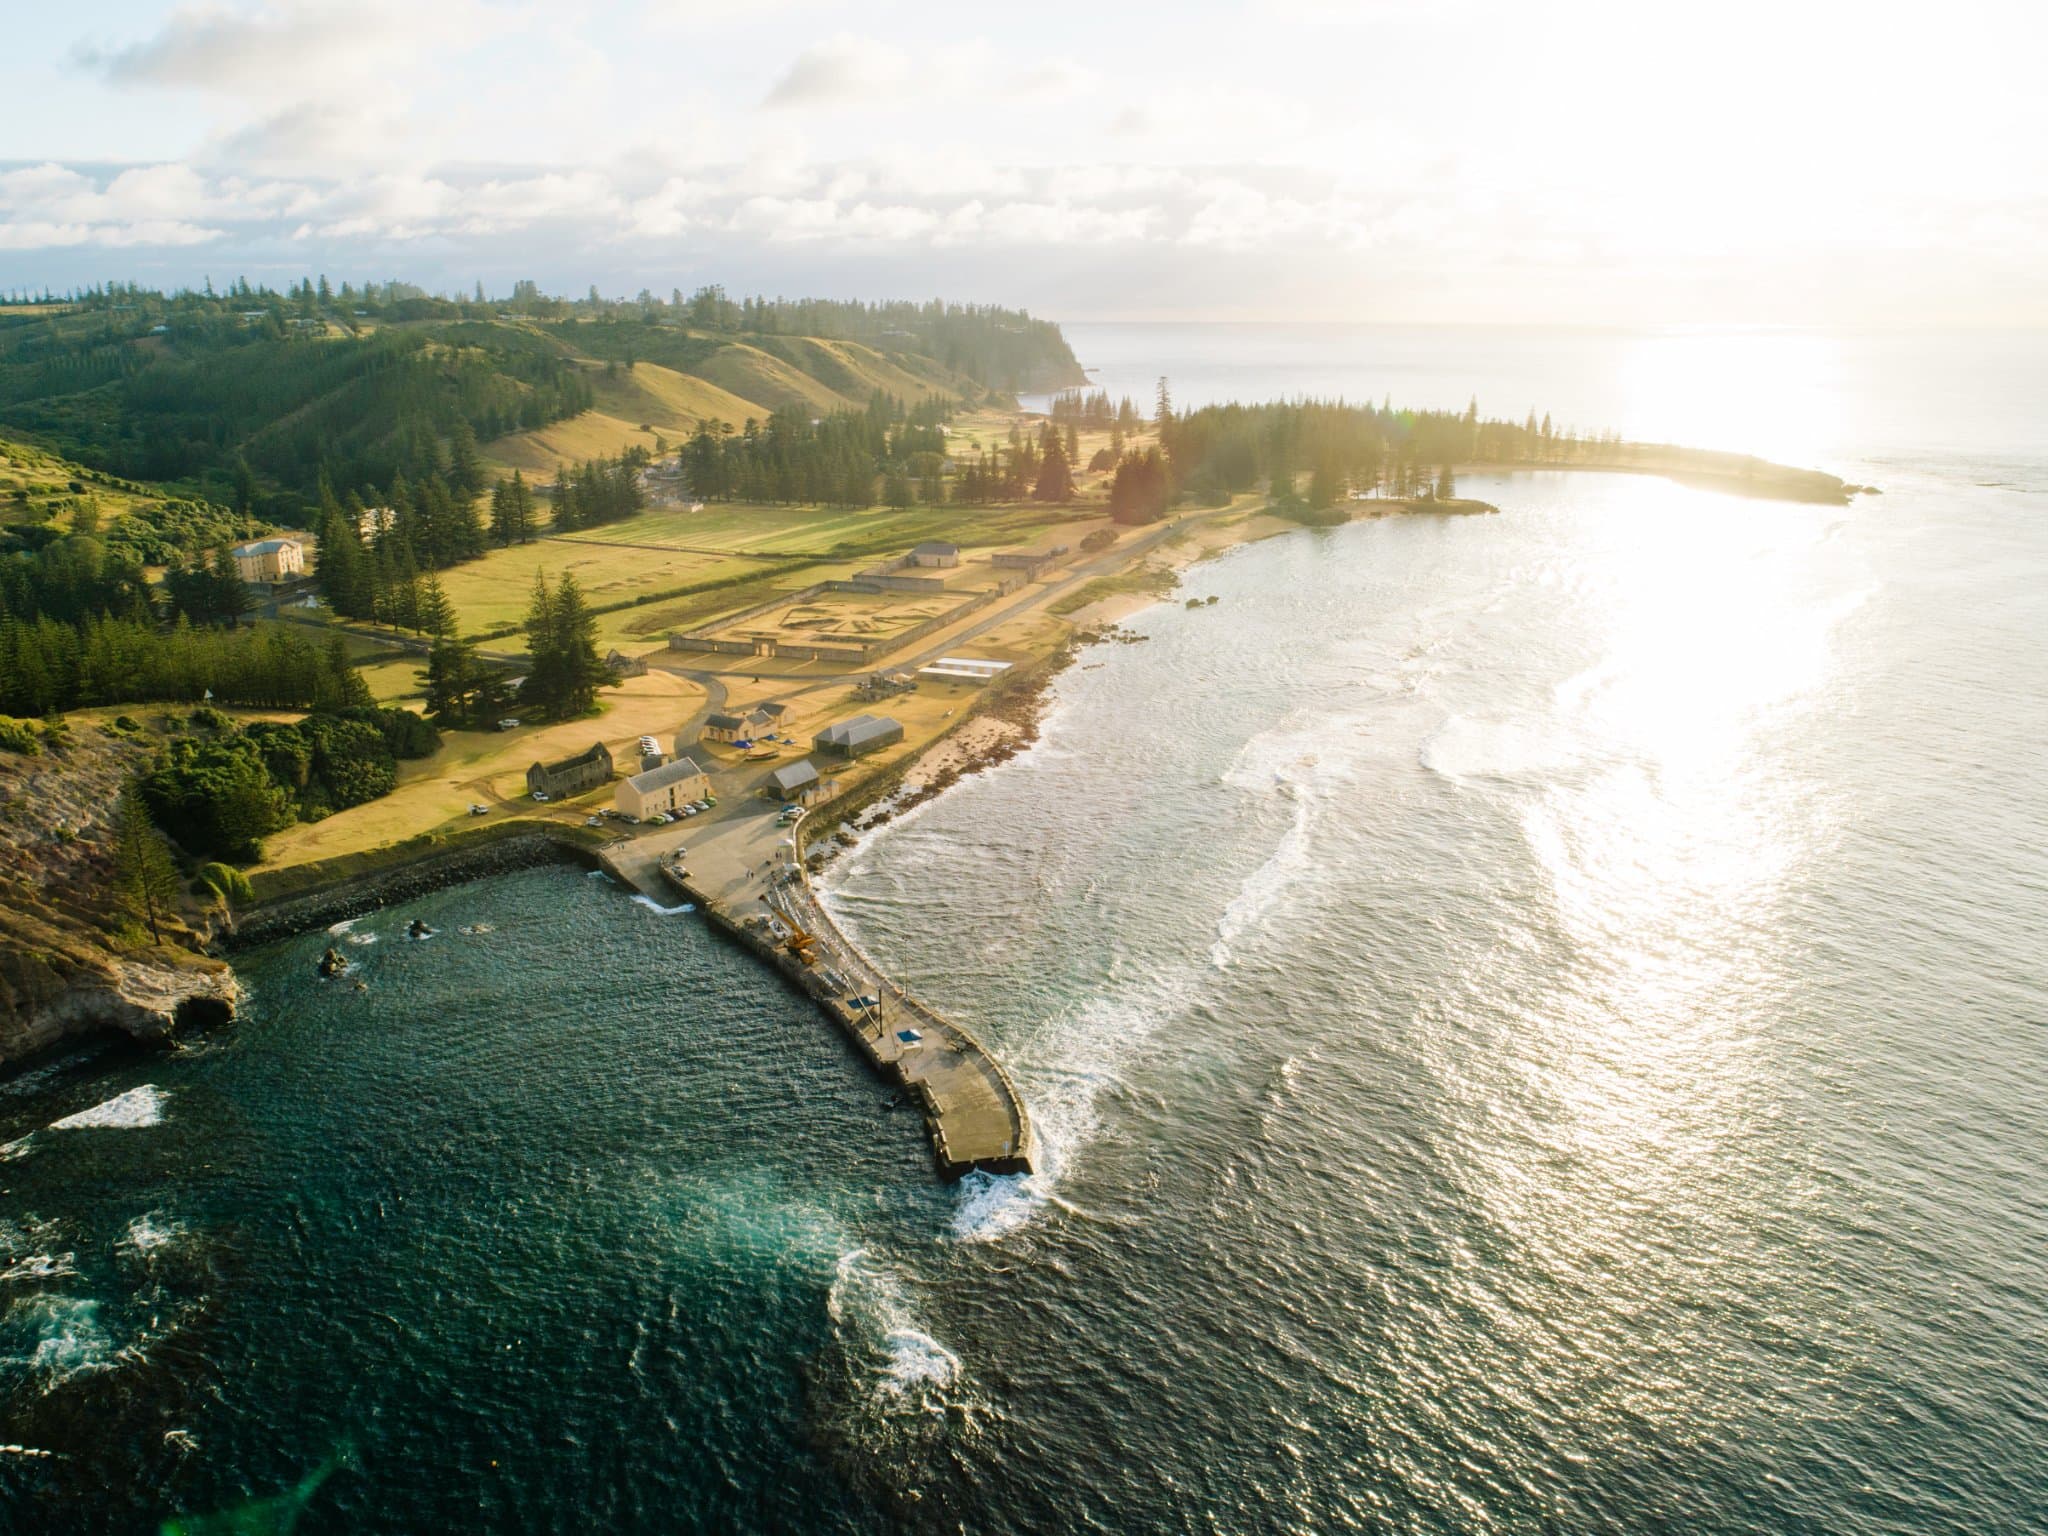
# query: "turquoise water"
1535,1023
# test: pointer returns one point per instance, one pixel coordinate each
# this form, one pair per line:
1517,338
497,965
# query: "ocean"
1535,1022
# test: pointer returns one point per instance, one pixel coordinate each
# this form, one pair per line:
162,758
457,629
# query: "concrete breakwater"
973,1113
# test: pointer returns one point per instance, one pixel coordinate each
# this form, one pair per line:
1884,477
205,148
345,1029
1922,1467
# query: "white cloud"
285,48
849,69
841,68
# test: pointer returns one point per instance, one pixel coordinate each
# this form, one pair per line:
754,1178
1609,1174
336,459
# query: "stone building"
572,775
858,736
668,788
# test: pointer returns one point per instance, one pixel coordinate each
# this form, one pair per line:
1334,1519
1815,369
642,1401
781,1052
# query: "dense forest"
189,398
1219,451
252,397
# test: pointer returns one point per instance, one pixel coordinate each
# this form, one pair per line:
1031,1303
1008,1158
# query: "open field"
834,533
677,568
435,793
848,616
495,591
732,383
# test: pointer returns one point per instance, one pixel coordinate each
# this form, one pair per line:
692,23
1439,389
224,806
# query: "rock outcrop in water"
68,966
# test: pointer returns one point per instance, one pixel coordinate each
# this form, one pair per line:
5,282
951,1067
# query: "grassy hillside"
185,389
45,496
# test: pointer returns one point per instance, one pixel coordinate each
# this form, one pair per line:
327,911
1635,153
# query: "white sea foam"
1267,886
1295,767
362,938
152,1230
40,1266
1085,1048
55,1337
660,911
10,1150
137,1107
913,1370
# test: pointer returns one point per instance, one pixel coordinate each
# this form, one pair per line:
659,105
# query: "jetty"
744,872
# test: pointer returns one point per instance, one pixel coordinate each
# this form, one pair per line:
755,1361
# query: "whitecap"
137,1107
150,1231
918,1362
362,938
10,1150
56,1337
1085,1048
344,925
1263,890
33,1081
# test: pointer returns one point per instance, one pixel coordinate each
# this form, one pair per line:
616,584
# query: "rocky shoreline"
366,893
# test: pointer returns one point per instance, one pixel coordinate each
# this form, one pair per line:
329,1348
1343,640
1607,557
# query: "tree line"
834,460
47,665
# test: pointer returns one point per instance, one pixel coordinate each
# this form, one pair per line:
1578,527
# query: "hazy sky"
1586,161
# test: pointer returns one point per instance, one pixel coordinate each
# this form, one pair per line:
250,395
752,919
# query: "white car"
542,795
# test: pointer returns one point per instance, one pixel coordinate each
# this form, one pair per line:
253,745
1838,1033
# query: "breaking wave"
137,1107
911,1370
150,1231
53,1338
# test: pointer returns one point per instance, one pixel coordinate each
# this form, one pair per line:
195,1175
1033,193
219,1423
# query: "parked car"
476,808
542,795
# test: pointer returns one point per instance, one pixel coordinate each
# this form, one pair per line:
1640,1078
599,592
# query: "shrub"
23,736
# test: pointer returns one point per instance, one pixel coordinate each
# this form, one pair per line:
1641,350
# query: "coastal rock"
48,995
70,964
434,869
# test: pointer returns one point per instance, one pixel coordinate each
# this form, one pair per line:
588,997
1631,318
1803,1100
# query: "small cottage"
799,782
720,727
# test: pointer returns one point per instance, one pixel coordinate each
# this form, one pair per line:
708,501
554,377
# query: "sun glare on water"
1775,394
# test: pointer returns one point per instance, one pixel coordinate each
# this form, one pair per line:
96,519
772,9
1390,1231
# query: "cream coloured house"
270,560
668,788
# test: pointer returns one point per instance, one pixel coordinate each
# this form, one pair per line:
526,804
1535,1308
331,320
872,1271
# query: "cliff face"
68,964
